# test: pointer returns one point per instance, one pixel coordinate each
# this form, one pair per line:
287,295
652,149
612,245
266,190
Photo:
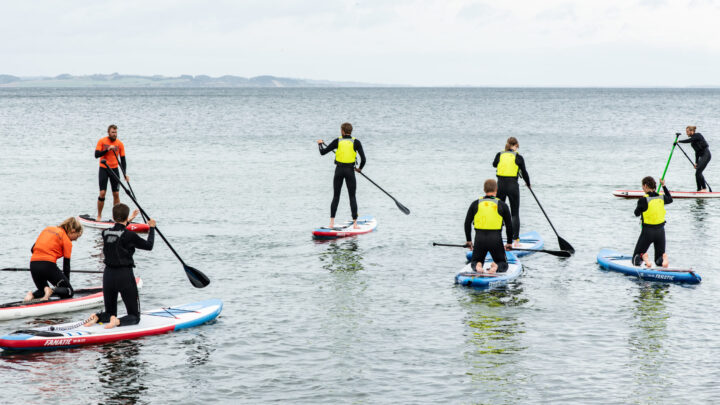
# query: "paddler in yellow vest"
487,215
345,159
652,209
509,163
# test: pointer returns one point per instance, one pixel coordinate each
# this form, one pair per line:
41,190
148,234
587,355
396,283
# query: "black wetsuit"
489,240
43,272
650,234
702,157
103,175
119,245
344,171
509,187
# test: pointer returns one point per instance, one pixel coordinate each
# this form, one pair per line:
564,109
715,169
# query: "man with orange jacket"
109,149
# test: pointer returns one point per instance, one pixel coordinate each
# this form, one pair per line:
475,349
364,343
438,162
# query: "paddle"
558,253
564,245
401,207
677,134
196,277
117,159
71,271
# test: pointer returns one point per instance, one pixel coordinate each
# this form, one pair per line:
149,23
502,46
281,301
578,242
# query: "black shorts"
103,177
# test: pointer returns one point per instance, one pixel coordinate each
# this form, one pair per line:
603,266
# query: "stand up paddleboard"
90,222
530,240
674,194
366,224
469,278
157,321
610,259
82,299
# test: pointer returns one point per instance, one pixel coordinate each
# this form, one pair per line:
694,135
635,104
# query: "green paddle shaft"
668,162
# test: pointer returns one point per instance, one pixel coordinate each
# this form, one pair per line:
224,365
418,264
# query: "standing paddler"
348,148
702,155
488,214
508,164
652,209
108,148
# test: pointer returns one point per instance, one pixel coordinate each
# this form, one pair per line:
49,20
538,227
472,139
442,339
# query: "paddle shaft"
562,253
197,278
71,271
128,182
564,245
691,162
668,163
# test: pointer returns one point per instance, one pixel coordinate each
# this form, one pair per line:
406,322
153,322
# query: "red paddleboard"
674,194
90,222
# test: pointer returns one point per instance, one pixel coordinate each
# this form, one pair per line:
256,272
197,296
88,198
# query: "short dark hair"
121,212
650,182
113,126
346,128
490,186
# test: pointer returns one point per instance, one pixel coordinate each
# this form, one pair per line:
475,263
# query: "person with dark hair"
107,148
702,155
348,148
652,209
53,243
488,214
119,246
509,163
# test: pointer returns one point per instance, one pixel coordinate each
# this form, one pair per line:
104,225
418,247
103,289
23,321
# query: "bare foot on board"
114,322
647,261
92,320
29,296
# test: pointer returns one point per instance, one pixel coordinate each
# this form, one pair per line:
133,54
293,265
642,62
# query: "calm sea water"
235,181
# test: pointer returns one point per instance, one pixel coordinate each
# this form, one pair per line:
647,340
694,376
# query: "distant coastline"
118,80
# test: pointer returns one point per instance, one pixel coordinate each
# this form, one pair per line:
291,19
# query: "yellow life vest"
506,166
655,213
346,150
487,217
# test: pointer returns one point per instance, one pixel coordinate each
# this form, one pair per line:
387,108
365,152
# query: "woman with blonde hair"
509,164
53,243
702,155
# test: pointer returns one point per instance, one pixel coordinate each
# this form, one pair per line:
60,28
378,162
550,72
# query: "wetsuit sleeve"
333,145
100,149
140,243
686,140
32,249
469,219
641,207
99,153
504,212
123,163
521,164
667,198
497,160
359,149
66,268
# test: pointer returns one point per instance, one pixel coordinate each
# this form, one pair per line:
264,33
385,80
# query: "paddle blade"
196,277
402,208
562,253
564,245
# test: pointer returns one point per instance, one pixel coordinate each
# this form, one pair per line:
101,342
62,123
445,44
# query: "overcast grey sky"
414,42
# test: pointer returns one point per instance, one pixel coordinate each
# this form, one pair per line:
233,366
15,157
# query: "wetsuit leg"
131,298
38,271
351,186
702,163
114,184
337,187
102,179
510,188
110,295
642,245
488,241
658,237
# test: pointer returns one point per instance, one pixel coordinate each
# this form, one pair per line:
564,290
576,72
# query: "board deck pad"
366,224
153,322
469,278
